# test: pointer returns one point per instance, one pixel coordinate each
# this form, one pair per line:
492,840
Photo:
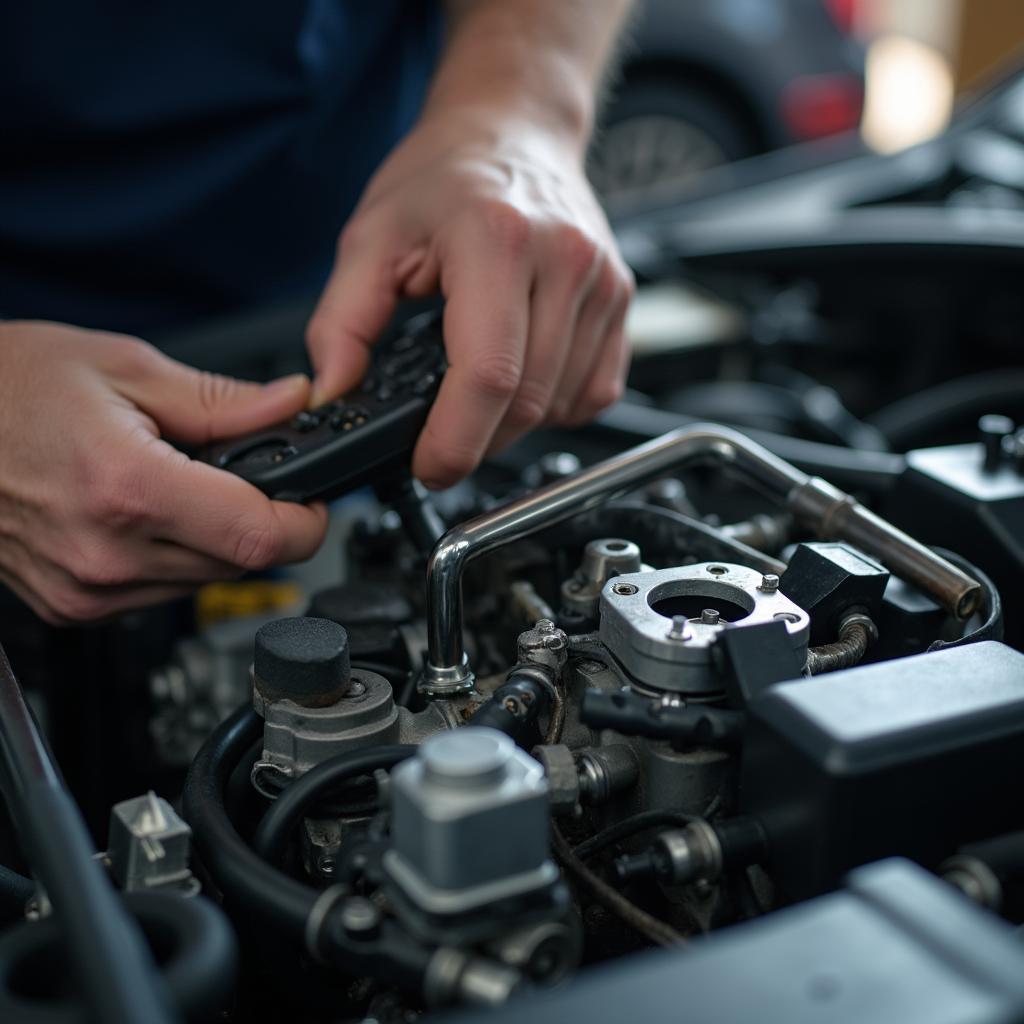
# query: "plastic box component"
911,757
829,579
897,946
948,497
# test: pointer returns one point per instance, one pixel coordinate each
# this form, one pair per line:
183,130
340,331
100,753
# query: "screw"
710,616
678,628
769,583
624,589
545,626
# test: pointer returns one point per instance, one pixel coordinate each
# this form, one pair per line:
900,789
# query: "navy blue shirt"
163,161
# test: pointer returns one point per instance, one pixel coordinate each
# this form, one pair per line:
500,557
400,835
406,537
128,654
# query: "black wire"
670,533
628,827
272,833
650,927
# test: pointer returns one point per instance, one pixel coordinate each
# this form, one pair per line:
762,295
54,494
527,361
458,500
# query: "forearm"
538,60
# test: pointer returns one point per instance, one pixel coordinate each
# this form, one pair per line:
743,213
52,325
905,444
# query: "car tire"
657,133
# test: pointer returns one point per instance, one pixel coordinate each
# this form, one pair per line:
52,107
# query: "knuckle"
530,405
603,393
257,547
130,357
97,564
116,496
496,375
576,251
509,227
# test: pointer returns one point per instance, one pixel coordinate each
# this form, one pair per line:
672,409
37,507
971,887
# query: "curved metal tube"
815,503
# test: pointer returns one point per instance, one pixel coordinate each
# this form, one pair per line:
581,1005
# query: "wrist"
496,82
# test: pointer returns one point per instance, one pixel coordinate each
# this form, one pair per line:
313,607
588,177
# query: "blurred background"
709,82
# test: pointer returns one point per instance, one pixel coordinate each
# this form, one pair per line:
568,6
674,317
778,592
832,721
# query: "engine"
563,718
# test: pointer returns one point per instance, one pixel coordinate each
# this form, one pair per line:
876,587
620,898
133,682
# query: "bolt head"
710,616
769,583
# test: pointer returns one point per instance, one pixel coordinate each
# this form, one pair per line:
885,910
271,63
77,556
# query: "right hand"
97,513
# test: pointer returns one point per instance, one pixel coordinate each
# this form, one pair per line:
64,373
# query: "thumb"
355,307
196,407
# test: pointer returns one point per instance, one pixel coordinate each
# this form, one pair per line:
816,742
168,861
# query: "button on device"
284,453
305,422
424,384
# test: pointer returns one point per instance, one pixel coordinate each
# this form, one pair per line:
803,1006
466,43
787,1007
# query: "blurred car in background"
707,82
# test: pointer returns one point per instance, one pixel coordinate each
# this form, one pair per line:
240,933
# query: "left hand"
498,216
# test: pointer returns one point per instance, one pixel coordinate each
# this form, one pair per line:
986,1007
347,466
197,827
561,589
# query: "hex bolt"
710,616
678,631
544,626
769,583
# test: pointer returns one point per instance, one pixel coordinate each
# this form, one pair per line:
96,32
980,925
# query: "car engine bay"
734,671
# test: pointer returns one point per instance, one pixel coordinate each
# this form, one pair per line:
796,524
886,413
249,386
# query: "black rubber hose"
15,891
191,938
246,880
918,416
253,886
273,832
513,707
849,468
991,608
111,961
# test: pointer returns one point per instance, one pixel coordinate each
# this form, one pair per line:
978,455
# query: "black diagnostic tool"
364,436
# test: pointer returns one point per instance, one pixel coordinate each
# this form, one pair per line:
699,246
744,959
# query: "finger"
486,279
194,406
355,307
591,331
605,384
220,515
57,598
554,314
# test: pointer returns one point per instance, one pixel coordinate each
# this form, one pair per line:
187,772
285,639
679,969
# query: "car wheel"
658,134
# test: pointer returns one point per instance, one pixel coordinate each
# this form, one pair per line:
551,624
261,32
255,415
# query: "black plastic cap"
304,659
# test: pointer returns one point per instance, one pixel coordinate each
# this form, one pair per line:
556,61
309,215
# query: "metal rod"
815,503
111,961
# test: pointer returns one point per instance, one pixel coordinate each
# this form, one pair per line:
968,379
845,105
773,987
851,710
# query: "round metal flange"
669,651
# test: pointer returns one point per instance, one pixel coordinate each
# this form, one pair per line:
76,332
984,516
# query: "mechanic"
165,162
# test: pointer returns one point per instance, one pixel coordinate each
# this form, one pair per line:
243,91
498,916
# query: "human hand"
499,217
98,514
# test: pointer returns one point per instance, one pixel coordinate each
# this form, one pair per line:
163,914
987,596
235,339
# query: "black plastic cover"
898,946
911,757
828,579
302,659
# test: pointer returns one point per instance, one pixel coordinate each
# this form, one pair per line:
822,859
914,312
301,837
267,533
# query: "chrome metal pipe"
815,503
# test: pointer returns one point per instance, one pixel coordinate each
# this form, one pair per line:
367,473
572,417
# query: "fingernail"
291,383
